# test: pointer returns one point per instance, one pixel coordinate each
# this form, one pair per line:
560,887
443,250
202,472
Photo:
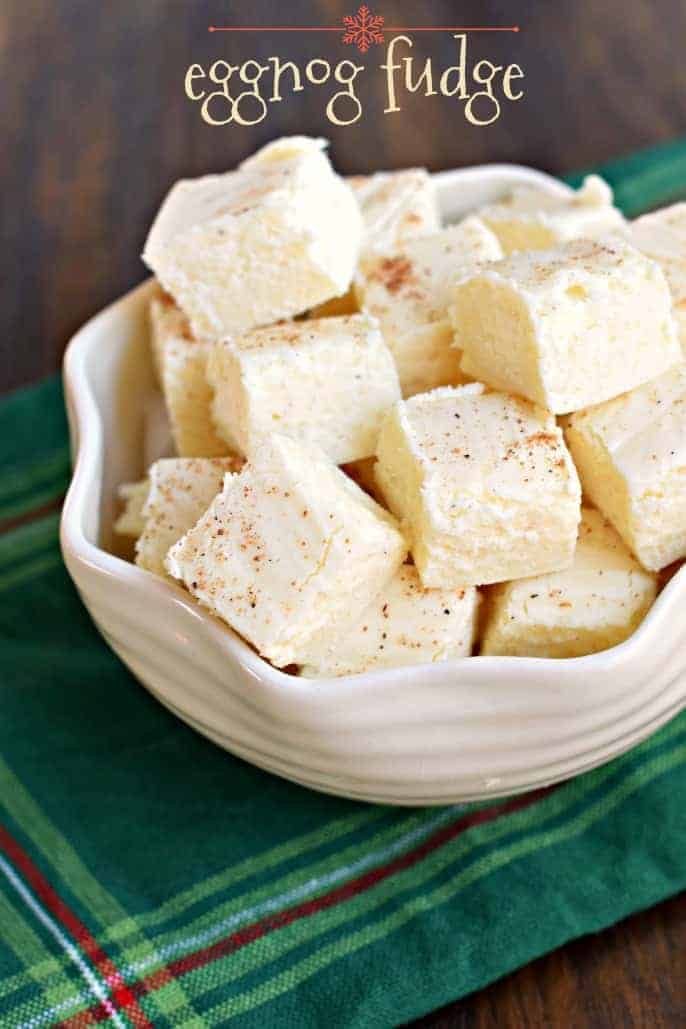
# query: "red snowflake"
363,29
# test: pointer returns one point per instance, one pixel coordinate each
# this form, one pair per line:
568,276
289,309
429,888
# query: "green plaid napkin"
148,878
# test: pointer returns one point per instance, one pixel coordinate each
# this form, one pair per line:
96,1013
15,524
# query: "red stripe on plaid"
250,933
121,997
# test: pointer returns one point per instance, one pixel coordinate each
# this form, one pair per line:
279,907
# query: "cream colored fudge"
133,495
483,484
567,327
410,290
181,362
595,604
395,207
258,244
327,382
405,625
534,219
181,490
661,235
290,552
631,457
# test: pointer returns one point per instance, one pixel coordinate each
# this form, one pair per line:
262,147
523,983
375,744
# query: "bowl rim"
87,438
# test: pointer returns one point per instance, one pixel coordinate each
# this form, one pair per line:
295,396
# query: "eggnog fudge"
661,235
567,327
264,242
594,604
535,219
181,362
290,552
327,382
631,457
134,495
395,207
483,484
180,491
405,625
409,291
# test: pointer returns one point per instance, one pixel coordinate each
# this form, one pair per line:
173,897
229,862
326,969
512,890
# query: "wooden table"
97,126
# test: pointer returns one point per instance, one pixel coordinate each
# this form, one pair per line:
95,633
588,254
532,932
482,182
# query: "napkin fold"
147,878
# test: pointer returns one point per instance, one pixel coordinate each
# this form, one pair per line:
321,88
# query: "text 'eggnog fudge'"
180,491
631,457
482,483
327,382
594,604
405,625
264,242
290,552
567,327
410,290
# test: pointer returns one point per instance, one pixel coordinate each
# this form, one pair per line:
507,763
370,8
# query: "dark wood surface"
96,127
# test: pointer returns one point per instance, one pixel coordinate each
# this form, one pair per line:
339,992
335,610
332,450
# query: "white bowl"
458,730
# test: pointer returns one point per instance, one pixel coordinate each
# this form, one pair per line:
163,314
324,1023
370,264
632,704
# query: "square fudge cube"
567,327
410,290
180,491
594,604
405,625
661,236
631,456
533,219
483,484
133,495
395,207
290,552
327,382
181,362
264,242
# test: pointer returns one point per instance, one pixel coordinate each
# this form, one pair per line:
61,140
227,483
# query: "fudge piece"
181,490
181,363
327,382
290,552
395,207
661,235
405,625
134,495
410,290
533,219
483,484
631,457
595,604
567,327
261,243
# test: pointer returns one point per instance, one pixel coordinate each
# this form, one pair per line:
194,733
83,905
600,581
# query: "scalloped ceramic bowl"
459,730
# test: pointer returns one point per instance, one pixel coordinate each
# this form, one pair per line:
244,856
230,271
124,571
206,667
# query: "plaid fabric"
148,878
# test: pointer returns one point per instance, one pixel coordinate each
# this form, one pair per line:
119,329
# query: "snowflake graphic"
363,29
